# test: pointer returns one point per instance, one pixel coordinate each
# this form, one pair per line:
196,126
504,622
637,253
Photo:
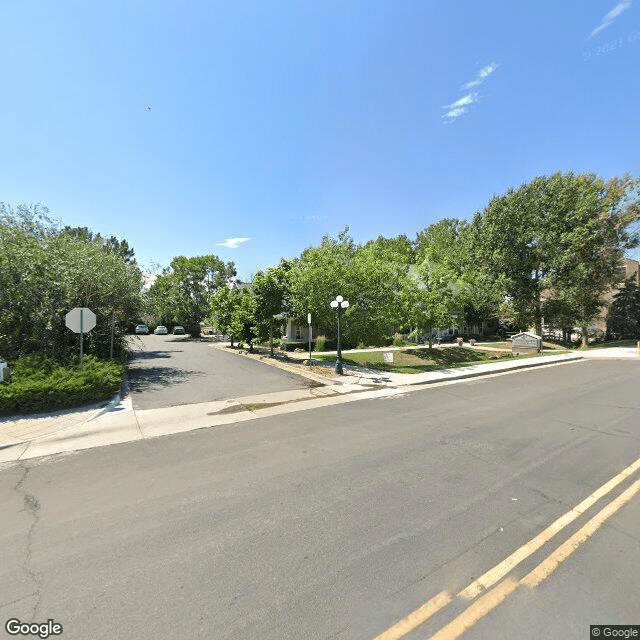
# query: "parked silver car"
161,330
142,329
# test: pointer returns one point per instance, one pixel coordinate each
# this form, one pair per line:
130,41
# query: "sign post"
387,358
309,321
80,320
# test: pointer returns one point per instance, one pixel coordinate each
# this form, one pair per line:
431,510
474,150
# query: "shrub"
40,383
361,345
292,345
397,340
35,366
320,343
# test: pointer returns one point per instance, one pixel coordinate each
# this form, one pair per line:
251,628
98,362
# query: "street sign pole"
80,320
309,321
81,335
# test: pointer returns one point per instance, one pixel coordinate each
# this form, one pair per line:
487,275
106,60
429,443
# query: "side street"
25,437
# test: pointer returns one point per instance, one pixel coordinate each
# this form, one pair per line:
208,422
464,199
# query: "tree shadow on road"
150,355
146,378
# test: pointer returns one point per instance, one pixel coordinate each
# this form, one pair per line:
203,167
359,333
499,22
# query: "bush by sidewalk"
41,383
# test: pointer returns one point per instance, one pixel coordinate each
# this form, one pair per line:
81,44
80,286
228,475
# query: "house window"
298,334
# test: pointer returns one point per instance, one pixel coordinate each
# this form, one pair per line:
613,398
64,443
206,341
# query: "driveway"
167,371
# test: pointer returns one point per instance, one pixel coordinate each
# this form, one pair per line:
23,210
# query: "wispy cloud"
461,106
483,74
470,98
233,243
452,114
611,16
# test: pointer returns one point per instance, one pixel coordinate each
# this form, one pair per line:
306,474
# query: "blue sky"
282,121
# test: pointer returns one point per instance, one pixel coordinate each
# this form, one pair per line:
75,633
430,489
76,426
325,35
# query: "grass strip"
424,360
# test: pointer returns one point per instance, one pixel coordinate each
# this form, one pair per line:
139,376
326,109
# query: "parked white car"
161,330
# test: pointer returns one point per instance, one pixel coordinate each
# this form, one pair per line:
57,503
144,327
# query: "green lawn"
423,360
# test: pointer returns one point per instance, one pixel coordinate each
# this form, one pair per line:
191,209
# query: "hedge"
40,383
292,345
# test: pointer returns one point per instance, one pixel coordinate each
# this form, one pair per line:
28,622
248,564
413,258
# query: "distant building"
238,284
294,331
628,268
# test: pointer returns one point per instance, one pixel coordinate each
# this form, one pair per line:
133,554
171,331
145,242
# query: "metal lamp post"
339,304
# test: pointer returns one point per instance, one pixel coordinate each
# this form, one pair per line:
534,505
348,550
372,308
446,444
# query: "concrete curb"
516,367
272,362
115,400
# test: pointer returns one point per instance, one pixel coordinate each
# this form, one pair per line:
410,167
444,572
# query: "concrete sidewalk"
23,437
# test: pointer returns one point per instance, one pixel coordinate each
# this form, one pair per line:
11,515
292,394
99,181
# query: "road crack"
32,507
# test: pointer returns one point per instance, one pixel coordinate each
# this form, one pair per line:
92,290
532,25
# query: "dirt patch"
255,406
234,408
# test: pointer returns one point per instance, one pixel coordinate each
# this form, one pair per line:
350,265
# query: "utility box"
525,342
5,372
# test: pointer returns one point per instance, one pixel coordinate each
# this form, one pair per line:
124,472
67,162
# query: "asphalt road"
335,523
170,370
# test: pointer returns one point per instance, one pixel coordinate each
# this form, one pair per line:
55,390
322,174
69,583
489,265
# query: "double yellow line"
491,599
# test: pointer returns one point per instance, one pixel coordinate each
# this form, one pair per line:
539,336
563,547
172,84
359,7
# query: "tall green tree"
318,276
427,304
271,294
558,238
44,273
377,277
243,321
110,244
223,306
369,277
514,249
182,293
591,244
400,245
449,270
